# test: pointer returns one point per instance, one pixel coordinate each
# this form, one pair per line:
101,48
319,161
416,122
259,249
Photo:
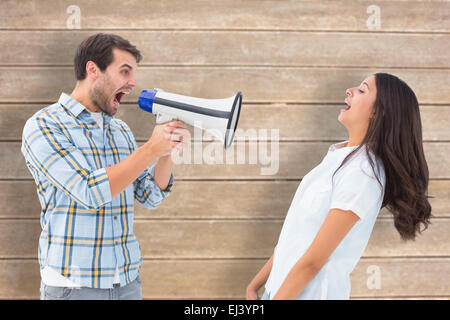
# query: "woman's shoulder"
368,163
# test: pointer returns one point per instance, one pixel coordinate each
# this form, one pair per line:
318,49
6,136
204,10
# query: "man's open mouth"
119,96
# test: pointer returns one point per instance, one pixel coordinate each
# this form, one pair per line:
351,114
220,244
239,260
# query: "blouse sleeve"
356,188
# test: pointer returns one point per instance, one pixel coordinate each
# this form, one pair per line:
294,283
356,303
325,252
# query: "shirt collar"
77,108
340,145
71,104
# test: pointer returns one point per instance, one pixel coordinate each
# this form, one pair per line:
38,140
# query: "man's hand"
162,142
182,137
179,139
165,138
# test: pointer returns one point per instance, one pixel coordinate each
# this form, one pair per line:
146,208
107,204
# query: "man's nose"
132,82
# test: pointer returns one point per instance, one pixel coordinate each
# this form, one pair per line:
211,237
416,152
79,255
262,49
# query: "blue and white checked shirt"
85,234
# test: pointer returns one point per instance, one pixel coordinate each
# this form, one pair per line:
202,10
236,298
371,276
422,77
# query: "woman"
336,205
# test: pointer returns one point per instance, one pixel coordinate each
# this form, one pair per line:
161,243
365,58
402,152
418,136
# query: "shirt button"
115,217
116,242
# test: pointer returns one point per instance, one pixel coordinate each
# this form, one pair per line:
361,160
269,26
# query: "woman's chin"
343,120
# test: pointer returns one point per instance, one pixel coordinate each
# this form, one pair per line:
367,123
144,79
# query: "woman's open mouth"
346,109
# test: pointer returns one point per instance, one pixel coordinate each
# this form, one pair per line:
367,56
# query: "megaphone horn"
217,116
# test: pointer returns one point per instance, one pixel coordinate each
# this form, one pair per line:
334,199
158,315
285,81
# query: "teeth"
125,91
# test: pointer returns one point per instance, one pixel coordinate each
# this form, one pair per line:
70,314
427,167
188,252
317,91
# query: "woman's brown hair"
394,136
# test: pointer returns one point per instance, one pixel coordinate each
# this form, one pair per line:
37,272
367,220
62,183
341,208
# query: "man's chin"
111,112
111,109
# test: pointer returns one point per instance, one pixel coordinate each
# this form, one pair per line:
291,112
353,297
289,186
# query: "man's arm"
124,173
163,171
49,151
163,168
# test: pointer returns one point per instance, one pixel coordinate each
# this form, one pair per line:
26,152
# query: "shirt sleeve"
356,188
48,151
147,192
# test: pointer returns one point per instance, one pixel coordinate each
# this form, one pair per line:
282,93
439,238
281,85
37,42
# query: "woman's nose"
348,92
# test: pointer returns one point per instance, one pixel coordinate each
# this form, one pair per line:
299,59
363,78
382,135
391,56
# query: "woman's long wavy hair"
394,136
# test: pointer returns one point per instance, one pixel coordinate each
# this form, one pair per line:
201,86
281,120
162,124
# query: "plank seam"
249,259
217,179
268,66
262,30
214,219
284,140
233,66
254,103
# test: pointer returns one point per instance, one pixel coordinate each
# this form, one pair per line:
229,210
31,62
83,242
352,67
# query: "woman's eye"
360,91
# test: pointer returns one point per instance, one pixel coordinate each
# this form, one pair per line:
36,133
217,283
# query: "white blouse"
354,188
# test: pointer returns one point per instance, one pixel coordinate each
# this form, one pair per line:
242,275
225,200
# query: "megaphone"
217,116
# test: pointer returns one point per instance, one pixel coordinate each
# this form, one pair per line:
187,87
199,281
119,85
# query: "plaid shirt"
85,233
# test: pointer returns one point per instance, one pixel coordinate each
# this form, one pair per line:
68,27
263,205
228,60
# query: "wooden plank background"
292,60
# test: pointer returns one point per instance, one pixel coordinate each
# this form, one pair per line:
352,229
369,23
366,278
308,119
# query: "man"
88,171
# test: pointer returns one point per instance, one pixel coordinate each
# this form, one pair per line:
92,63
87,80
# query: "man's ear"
92,70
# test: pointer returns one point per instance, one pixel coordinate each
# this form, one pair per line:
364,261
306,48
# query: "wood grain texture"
403,16
413,278
257,200
228,239
212,279
293,60
295,159
248,48
258,84
294,122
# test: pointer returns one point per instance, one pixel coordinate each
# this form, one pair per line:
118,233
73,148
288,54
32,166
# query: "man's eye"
124,72
360,91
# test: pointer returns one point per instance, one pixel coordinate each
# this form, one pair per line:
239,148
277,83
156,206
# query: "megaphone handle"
163,118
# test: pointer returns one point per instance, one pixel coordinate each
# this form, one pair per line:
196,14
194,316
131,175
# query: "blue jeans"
132,291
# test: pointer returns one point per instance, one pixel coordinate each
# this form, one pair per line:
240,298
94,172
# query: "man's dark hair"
99,49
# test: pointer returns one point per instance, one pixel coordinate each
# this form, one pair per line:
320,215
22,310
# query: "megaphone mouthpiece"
146,99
